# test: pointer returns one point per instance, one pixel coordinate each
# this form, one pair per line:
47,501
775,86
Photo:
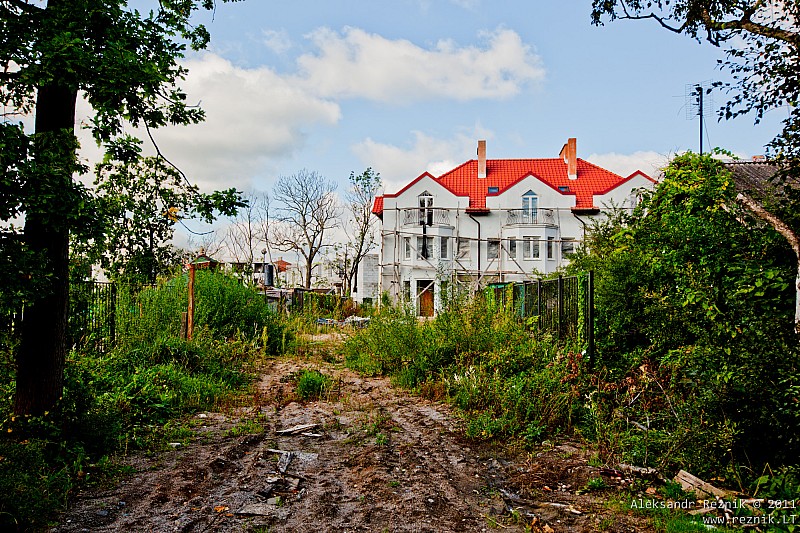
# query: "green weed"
312,384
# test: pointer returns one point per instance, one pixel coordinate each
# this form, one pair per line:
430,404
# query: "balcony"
429,216
531,217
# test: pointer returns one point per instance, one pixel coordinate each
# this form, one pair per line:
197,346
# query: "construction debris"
296,429
691,483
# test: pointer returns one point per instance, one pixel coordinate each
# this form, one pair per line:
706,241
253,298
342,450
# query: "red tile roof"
504,173
377,206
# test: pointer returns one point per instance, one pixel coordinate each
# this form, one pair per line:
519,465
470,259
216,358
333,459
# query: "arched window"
530,207
425,209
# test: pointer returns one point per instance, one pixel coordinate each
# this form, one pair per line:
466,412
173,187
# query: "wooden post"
190,310
560,303
590,319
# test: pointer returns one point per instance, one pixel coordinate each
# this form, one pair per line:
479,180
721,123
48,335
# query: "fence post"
112,328
539,302
560,304
190,307
590,319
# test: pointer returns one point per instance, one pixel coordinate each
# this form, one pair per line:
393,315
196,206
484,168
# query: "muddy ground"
377,459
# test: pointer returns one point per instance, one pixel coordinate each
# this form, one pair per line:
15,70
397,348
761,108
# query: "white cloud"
398,166
252,116
277,40
357,64
626,164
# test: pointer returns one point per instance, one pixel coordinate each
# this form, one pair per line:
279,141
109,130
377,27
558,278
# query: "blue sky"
406,86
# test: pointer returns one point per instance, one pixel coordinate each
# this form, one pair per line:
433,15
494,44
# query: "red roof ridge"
503,174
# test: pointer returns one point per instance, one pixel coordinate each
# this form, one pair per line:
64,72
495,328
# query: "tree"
763,48
360,225
695,285
141,199
308,209
247,235
125,64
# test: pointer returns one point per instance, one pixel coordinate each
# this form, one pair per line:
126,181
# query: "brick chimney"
481,159
570,155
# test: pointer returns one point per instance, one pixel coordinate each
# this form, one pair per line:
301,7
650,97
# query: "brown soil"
379,460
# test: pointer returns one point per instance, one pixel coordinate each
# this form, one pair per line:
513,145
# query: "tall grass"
508,380
124,399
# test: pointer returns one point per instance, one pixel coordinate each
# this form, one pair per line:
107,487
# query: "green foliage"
695,327
761,41
141,199
312,384
224,307
508,381
128,398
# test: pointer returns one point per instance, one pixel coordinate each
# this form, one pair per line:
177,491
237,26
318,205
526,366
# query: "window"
425,209
530,207
551,241
406,291
463,248
493,249
493,190
424,247
512,248
567,246
407,247
444,252
530,248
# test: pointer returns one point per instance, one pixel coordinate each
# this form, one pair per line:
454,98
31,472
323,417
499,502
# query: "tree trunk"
42,351
309,270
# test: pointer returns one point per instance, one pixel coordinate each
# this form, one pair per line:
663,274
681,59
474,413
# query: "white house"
492,220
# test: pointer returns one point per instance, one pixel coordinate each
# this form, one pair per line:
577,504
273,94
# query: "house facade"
491,221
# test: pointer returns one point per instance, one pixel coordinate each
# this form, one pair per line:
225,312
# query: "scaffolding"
407,257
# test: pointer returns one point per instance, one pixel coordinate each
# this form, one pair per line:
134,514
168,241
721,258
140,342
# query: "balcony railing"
530,217
429,216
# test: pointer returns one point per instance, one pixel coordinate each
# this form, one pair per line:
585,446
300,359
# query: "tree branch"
791,237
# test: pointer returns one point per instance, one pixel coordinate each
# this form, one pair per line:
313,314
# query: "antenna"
699,103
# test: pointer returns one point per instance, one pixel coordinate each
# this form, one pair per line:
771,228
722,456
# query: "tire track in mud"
384,461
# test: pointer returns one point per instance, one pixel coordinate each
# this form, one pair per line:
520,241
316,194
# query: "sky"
408,86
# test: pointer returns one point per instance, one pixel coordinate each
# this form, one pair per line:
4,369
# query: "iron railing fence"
100,313
562,306
526,217
427,216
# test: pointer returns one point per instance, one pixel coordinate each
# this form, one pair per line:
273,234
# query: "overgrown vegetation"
124,399
699,361
697,364
484,359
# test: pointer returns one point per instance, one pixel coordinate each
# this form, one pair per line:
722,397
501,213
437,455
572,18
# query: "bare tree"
360,225
308,209
247,235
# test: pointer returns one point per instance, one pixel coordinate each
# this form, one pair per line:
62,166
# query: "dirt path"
378,460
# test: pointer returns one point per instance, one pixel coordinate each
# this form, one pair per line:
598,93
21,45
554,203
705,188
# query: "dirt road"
376,459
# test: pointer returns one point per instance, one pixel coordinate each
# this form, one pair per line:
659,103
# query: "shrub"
312,384
508,381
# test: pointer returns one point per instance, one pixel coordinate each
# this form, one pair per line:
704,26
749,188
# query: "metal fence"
101,312
563,306
92,319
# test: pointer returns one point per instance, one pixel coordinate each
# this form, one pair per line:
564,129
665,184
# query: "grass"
507,381
312,385
133,397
